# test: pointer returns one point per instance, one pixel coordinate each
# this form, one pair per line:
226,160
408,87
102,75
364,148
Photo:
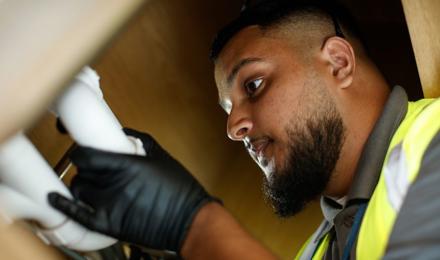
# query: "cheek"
273,116
280,107
270,113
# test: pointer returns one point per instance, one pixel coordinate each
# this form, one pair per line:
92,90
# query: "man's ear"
339,55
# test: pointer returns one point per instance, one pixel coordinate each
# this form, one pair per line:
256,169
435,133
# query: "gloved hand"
147,200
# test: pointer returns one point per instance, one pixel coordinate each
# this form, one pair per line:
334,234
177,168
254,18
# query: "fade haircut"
269,14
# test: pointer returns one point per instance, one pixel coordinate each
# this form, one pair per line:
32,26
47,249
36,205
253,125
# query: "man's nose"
239,125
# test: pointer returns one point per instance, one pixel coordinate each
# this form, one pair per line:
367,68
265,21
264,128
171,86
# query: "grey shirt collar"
373,155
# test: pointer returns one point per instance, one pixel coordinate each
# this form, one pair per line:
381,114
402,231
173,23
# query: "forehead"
246,43
251,43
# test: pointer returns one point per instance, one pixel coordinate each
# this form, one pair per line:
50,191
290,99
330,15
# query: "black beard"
313,153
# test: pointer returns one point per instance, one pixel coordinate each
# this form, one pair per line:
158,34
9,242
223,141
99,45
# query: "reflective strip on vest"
400,169
396,177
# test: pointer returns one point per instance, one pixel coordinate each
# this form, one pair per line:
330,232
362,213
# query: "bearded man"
320,120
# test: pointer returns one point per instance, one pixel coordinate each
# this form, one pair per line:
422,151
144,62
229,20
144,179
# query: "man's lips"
257,146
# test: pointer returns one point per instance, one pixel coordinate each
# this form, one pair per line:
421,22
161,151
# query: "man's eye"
252,86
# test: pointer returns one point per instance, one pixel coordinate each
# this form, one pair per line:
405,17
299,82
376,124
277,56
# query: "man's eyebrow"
238,66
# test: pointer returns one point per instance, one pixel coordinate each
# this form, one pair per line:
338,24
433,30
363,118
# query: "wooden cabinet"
424,27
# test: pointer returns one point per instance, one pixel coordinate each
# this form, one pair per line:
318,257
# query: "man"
319,119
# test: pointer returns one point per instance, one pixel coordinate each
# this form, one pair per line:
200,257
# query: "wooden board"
43,44
423,21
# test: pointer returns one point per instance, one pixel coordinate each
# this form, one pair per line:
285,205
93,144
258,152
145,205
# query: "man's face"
279,106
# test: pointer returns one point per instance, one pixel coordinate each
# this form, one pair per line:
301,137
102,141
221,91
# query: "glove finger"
93,163
135,133
73,209
151,146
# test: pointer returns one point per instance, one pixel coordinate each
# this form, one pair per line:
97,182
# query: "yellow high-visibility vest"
400,169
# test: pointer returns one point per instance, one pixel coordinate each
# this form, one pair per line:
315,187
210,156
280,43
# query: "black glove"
147,200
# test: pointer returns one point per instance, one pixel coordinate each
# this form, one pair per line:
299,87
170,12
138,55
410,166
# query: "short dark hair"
266,13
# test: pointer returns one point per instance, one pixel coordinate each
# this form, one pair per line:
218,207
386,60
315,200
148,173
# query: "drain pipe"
26,178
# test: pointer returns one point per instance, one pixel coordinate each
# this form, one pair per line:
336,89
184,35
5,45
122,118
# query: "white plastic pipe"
26,178
25,171
89,120
15,205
